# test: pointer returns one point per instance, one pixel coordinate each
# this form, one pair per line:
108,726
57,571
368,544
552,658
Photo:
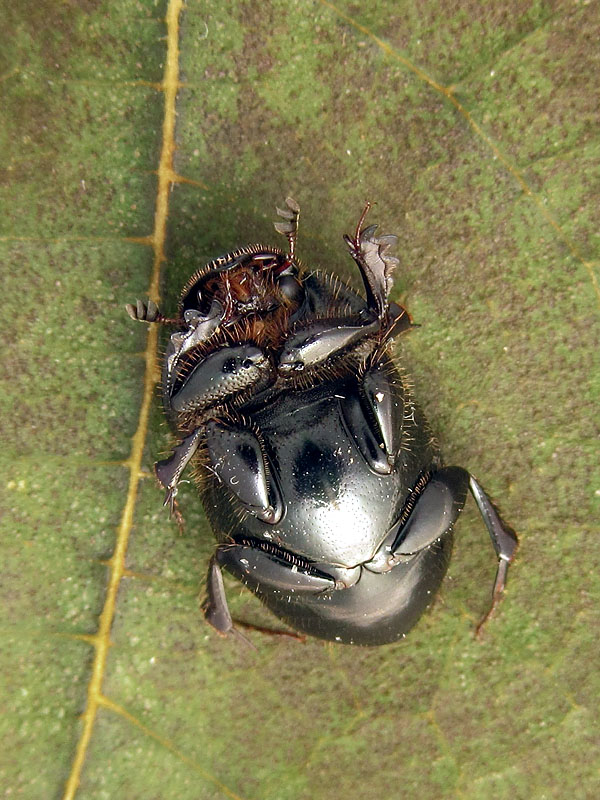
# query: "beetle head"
248,283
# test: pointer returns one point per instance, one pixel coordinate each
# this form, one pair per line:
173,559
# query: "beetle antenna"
289,228
149,312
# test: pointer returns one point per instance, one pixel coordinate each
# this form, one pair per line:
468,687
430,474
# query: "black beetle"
318,473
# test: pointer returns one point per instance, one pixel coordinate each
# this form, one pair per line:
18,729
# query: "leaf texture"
142,139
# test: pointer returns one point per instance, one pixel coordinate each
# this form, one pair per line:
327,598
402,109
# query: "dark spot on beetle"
316,473
248,456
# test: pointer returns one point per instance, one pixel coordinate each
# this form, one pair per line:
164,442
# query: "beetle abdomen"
378,609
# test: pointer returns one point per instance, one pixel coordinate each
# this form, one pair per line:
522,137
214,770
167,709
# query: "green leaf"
474,127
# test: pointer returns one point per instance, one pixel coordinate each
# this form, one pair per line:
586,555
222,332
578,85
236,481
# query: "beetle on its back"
318,473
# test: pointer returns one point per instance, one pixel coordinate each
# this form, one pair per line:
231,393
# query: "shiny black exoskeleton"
318,473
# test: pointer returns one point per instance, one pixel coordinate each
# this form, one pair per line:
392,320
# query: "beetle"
318,473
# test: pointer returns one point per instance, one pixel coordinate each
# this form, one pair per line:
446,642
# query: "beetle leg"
436,510
428,514
239,460
220,376
383,417
299,637
199,329
216,611
215,608
148,312
399,320
314,344
366,435
504,540
432,513
258,565
375,265
170,470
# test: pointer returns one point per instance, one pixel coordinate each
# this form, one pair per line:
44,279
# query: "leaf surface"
474,127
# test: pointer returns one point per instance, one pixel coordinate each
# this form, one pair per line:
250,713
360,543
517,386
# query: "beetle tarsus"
169,471
505,544
174,512
359,224
497,595
299,637
237,634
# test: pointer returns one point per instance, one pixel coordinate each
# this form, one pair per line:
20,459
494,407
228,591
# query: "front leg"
223,375
376,266
313,344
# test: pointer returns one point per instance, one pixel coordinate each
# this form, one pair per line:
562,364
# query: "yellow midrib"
101,640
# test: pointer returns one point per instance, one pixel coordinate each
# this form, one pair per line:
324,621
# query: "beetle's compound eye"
291,288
